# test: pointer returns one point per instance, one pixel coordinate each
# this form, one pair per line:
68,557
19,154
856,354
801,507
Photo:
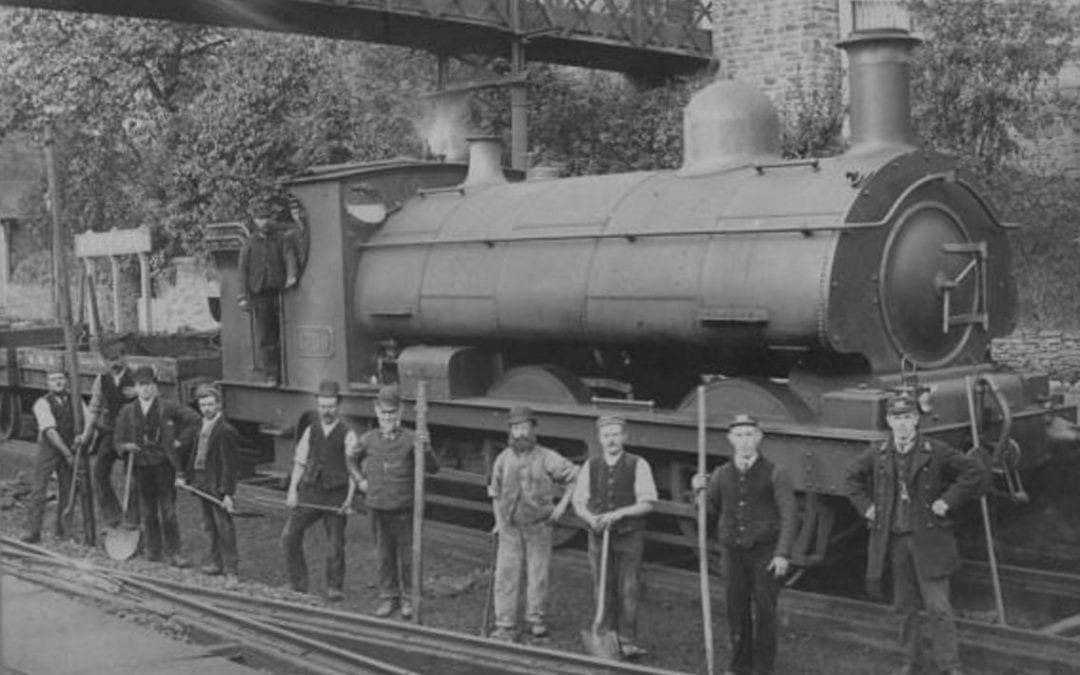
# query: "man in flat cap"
615,491
149,427
383,465
111,390
212,469
268,265
908,488
320,488
523,485
750,503
56,440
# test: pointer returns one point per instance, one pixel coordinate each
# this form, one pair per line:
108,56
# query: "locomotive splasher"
810,285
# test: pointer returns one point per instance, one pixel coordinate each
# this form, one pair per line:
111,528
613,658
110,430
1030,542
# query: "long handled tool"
489,595
419,452
122,541
217,502
80,486
999,602
601,643
703,544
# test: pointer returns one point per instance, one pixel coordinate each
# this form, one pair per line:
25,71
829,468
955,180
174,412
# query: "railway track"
315,638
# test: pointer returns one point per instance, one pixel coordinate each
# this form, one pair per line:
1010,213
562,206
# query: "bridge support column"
519,121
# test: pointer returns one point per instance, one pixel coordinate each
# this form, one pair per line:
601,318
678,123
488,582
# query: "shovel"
489,596
601,643
217,502
122,541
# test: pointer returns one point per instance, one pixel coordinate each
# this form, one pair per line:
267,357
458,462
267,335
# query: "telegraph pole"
63,306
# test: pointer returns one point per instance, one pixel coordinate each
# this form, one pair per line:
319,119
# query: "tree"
986,72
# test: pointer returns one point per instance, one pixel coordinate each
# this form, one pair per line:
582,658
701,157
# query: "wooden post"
703,541
71,356
144,288
419,451
114,270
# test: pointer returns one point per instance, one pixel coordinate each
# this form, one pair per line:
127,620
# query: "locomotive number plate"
315,341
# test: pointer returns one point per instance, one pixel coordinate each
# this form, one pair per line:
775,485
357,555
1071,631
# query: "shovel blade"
121,542
603,644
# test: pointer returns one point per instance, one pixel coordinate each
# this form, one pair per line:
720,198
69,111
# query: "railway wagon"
803,292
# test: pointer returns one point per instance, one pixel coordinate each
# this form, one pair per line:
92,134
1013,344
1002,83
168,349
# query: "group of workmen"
907,488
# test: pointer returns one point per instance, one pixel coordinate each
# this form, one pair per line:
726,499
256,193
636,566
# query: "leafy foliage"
987,71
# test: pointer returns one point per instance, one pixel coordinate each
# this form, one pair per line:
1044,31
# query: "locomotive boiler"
802,291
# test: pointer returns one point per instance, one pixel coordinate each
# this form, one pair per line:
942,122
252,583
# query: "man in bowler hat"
751,504
320,489
908,489
383,465
524,478
149,427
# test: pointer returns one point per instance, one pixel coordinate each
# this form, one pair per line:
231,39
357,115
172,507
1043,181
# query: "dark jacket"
757,507
388,466
938,471
266,263
156,432
218,477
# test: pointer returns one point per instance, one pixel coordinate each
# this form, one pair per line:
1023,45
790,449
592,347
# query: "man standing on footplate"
908,489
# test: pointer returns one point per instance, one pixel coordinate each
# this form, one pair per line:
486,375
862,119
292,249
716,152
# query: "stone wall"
1054,352
785,48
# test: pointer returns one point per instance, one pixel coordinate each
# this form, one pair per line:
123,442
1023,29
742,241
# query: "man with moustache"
212,469
382,465
907,488
56,439
751,503
111,391
148,427
616,491
523,480
320,478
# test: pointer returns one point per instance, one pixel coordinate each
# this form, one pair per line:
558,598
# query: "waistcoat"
113,398
326,468
612,487
748,513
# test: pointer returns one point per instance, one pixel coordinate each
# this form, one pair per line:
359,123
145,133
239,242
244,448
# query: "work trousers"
157,506
392,530
912,592
623,592
104,460
752,592
49,460
530,544
218,524
292,539
265,308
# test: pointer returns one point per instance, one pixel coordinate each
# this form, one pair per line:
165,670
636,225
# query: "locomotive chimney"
879,63
485,161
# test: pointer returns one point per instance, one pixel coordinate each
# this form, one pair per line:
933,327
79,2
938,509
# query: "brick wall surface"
786,48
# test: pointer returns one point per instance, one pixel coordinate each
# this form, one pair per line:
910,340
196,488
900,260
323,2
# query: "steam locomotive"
803,292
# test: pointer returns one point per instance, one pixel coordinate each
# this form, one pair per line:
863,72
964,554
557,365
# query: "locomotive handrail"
630,236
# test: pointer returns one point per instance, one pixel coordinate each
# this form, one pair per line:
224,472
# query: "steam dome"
726,124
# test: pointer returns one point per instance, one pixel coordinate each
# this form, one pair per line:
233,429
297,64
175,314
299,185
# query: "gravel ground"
455,586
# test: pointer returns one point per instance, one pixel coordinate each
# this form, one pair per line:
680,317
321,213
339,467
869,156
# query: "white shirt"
745,464
644,485
43,414
303,446
145,405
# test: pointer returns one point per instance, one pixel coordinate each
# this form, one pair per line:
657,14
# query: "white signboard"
113,242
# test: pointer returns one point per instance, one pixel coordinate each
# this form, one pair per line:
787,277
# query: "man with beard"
320,478
523,480
148,427
211,468
383,465
615,491
751,502
112,390
56,438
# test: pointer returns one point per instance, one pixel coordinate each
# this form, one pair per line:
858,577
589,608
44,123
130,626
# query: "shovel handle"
601,589
199,493
127,484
